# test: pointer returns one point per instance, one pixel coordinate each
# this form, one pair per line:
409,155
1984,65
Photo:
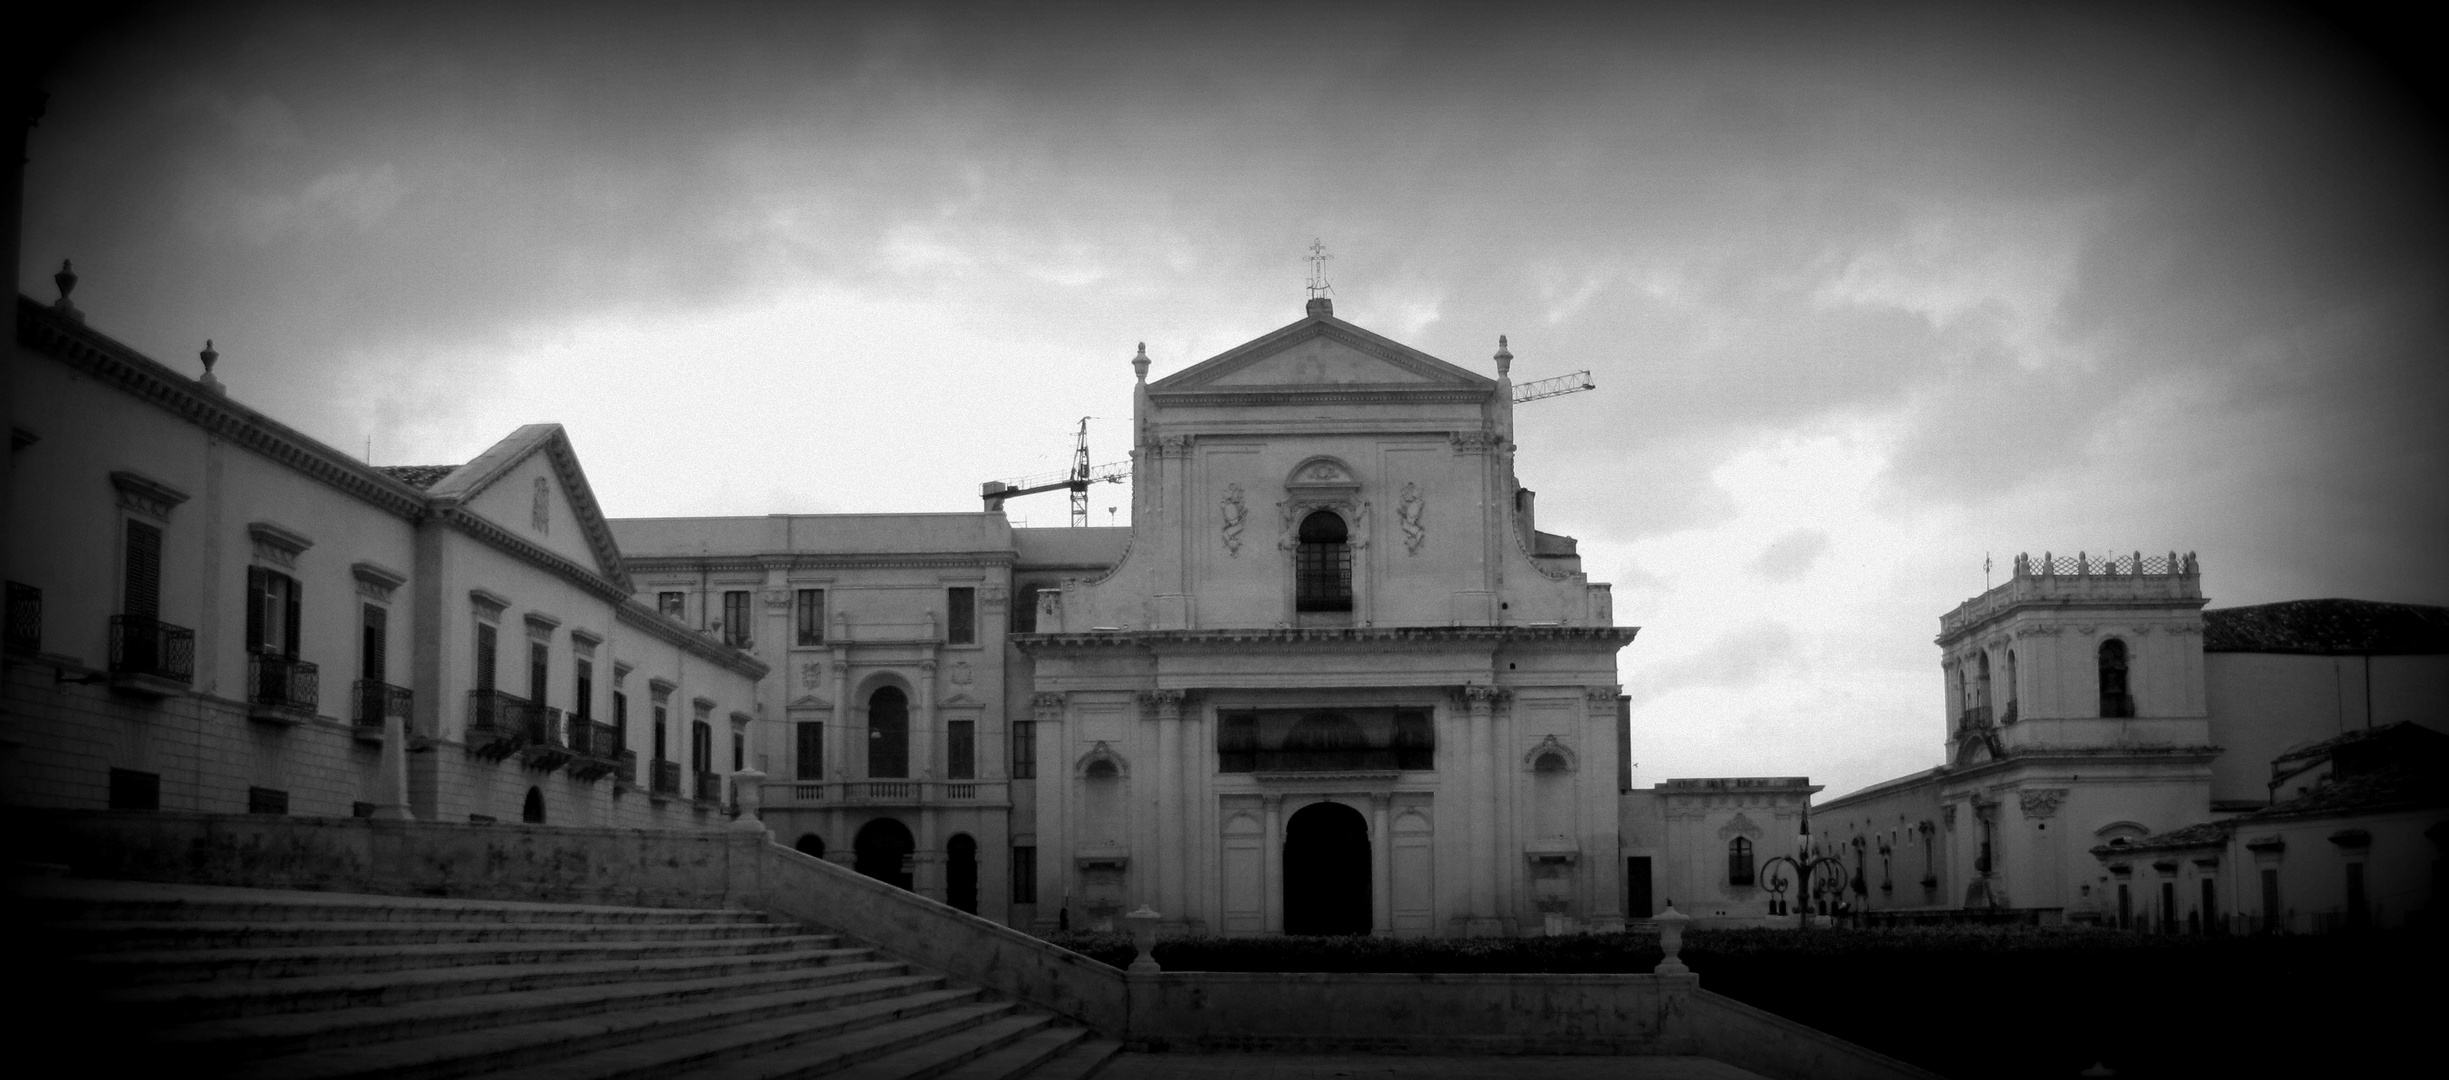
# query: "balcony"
666,778
149,656
281,689
709,790
1974,718
499,723
598,750
25,618
545,746
780,793
1327,761
377,701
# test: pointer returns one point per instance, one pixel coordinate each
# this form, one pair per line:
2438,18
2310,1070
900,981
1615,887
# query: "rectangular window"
264,800
2168,907
811,756
1237,742
739,750
961,616
701,746
810,612
1024,749
582,704
2272,917
735,619
1024,608
142,596
662,750
272,613
373,646
961,750
1024,874
673,605
133,790
486,651
539,671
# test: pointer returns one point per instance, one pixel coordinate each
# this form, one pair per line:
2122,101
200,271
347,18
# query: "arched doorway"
961,873
1326,871
533,812
883,850
811,844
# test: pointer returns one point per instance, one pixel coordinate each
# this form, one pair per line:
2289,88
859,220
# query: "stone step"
153,967
778,1052
233,998
103,936
287,1033
52,899
682,1031
936,1057
1079,1061
1019,1057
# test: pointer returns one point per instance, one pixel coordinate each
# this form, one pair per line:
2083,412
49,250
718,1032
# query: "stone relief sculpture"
1234,511
1290,511
1409,512
543,518
1360,528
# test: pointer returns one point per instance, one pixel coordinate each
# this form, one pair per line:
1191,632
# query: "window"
133,790
1415,741
620,719
582,685
961,750
811,756
1237,743
142,597
1739,862
674,605
662,714
264,800
811,615
2210,908
2009,717
2115,701
1322,564
961,616
1024,873
739,750
1982,699
701,746
2273,919
272,613
486,649
2168,907
539,671
888,734
735,619
1024,609
373,645
1024,749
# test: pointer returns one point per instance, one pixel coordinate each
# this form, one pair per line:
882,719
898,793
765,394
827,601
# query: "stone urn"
1671,940
1143,938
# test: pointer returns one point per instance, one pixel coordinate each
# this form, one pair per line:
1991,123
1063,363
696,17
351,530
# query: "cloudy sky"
1870,293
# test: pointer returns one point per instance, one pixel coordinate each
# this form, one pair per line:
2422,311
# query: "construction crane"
1077,479
1548,388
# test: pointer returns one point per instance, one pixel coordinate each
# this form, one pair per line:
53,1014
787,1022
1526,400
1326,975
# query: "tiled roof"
2398,786
419,477
2356,627
2415,736
2206,834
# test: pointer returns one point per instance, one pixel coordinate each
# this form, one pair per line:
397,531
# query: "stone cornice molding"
116,365
145,495
376,581
489,604
641,565
1614,637
1303,395
277,545
638,616
1477,442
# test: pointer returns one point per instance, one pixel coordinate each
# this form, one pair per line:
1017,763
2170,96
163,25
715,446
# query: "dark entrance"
1326,871
811,844
961,874
533,812
883,851
1637,903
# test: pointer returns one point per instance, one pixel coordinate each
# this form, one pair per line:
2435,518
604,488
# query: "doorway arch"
882,851
961,873
1326,871
533,812
811,844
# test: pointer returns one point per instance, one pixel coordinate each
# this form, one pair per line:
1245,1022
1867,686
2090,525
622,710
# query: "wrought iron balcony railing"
282,682
25,618
709,787
667,777
378,700
497,716
1977,716
146,646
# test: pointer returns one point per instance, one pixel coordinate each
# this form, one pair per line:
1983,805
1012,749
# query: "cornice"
638,616
1617,636
800,562
123,368
1354,394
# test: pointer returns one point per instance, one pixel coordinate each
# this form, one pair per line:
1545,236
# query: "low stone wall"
743,869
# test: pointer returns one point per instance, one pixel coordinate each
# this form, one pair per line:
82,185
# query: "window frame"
808,616
961,615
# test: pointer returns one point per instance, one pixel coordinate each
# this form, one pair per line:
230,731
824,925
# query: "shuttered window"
373,648
486,650
272,612
143,595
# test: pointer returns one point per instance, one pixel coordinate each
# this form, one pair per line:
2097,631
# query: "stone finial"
1505,357
1139,364
66,279
1143,938
208,356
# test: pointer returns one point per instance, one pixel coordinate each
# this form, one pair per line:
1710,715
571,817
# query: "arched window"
888,733
2008,716
1549,763
1322,565
2115,699
533,812
1981,699
811,844
1739,861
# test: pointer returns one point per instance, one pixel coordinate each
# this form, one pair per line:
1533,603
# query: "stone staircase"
296,985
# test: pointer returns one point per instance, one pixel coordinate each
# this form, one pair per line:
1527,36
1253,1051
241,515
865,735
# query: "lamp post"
1804,866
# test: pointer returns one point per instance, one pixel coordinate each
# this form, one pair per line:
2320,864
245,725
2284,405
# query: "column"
926,733
1484,869
1054,787
1174,849
837,722
1381,869
1274,885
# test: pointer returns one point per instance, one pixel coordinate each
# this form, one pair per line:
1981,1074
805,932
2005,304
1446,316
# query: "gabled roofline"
467,481
1196,381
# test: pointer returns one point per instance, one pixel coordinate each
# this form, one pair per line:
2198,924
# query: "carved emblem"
1323,473
2041,802
1235,512
1290,511
811,674
1360,528
543,516
1410,512
960,673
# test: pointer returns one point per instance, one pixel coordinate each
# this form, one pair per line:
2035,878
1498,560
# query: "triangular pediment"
1324,353
531,486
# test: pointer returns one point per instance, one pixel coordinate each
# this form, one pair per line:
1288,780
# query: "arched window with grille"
1322,564
2116,700
1739,861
